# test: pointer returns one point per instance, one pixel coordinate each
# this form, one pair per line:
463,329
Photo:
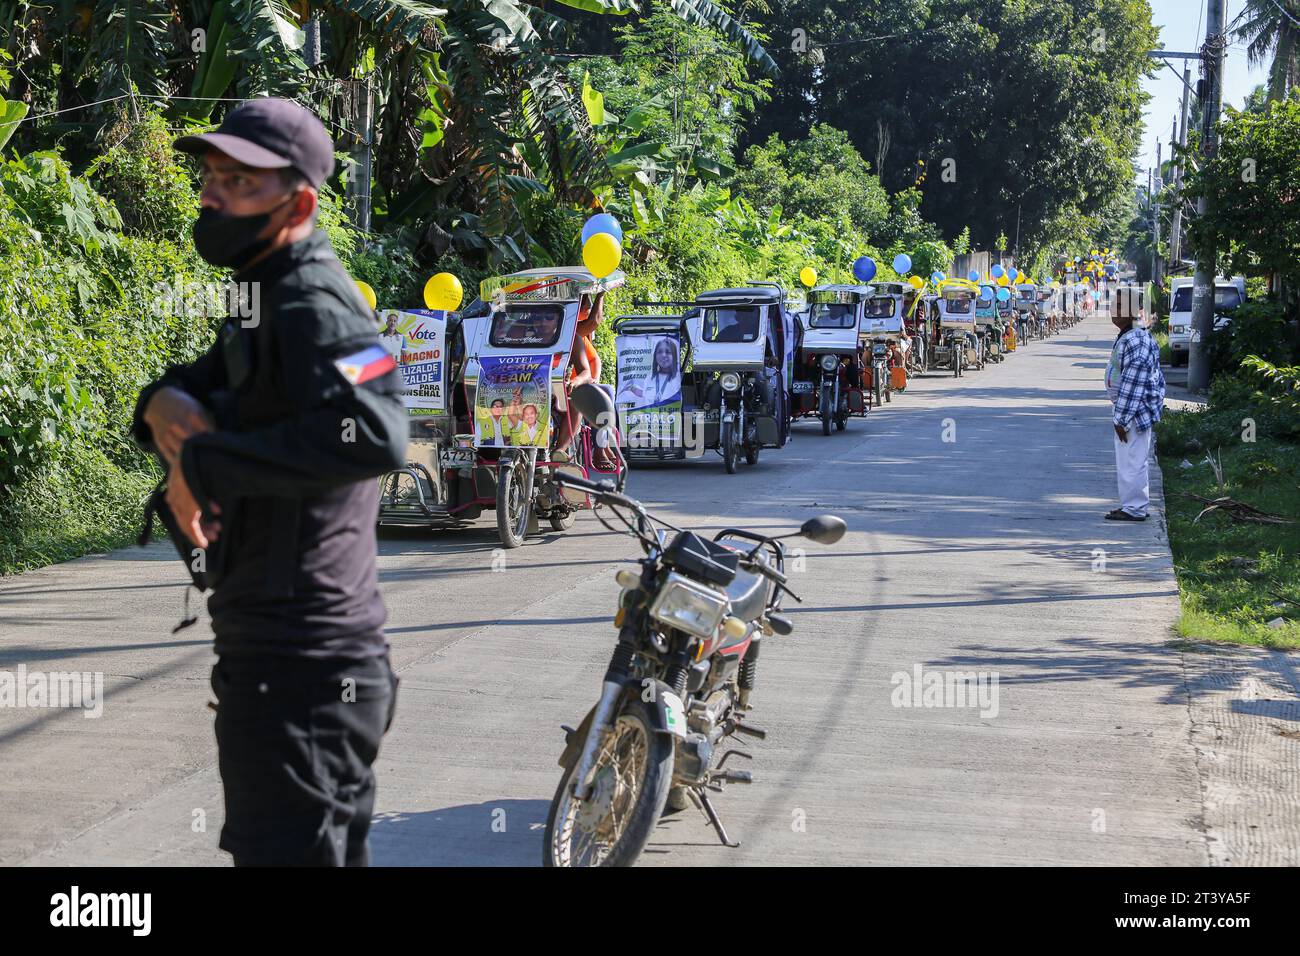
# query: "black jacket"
293,461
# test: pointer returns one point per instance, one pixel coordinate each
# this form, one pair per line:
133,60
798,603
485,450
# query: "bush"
146,180
86,323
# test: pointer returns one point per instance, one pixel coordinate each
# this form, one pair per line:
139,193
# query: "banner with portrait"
417,339
649,394
512,404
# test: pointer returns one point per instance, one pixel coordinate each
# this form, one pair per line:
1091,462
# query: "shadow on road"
493,833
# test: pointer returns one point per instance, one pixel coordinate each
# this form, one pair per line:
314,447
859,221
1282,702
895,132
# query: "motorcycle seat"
748,595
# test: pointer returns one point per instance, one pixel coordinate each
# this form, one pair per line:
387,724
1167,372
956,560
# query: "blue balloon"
986,293
973,275
1004,295
1012,274
864,268
997,272
902,263
936,276
602,222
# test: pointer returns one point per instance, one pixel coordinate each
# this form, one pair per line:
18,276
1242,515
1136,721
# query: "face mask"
231,241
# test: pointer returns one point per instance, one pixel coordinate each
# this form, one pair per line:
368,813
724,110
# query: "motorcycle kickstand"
704,803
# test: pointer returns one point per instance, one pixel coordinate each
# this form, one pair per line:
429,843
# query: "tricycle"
495,446
828,368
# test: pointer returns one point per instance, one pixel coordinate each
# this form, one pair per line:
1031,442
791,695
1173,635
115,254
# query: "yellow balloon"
368,293
602,254
808,276
1002,279
915,282
443,292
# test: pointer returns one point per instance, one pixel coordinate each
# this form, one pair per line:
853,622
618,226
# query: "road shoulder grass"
1237,579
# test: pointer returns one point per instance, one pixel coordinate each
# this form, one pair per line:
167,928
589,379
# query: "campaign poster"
512,405
649,395
417,339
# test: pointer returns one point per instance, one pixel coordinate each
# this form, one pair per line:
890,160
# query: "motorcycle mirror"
592,402
824,529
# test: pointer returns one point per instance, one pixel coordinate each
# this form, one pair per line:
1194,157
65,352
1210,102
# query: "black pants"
296,739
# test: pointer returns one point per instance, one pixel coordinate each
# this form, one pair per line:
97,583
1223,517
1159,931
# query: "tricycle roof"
553,284
841,293
634,324
748,295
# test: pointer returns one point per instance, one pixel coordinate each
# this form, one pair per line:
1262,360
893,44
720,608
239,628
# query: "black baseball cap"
270,133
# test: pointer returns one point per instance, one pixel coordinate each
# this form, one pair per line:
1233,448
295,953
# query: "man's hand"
174,416
187,512
1121,433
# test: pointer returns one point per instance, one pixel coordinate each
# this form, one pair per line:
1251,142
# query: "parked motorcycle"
678,685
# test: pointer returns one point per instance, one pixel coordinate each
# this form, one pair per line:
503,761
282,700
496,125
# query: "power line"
73,109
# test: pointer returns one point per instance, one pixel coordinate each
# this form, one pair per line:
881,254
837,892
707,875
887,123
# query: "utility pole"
359,175
1016,254
1212,61
1176,224
1155,219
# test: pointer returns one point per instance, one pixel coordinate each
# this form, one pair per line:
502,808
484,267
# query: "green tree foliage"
819,177
1271,29
1254,184
1029,108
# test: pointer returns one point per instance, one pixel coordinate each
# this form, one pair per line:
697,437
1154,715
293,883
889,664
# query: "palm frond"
705,13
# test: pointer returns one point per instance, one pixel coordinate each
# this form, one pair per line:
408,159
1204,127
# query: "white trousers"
1131,459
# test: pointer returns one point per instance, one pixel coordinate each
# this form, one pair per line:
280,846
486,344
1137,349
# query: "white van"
1228,294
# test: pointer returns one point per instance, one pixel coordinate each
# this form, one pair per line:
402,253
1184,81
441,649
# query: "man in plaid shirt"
1136,385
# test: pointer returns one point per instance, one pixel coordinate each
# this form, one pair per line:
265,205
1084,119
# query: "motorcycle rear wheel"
633,774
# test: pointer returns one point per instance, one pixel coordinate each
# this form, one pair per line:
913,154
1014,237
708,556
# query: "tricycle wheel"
563,521
730,447
512,510
751,454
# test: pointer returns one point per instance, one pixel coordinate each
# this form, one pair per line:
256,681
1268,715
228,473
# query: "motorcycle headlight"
730,382
829,362
688,606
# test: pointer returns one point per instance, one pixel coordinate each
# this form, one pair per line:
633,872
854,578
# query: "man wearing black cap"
272,440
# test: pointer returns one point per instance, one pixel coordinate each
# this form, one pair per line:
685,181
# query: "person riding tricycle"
828,365
508,426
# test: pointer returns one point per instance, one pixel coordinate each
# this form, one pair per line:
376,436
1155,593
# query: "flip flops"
1119,514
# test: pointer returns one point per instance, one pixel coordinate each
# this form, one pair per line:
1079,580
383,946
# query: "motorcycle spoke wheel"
630,783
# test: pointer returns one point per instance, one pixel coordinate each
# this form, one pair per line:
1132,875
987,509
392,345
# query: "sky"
1182,28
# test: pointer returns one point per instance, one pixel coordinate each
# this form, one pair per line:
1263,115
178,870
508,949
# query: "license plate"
802,388
458,457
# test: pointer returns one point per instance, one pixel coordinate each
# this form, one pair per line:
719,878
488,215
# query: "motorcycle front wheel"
730,443
824,407
633,774
513,511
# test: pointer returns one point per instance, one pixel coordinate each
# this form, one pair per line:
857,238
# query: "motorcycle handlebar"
603,490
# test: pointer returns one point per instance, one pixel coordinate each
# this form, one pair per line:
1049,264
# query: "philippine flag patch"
369,363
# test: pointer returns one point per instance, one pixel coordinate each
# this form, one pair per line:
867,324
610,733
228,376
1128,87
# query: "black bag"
188,550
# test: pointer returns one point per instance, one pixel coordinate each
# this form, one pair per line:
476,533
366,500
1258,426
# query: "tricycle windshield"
955,306
527,325
881,307
1027,295
731,323
831,315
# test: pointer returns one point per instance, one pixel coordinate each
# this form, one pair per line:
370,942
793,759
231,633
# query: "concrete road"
976,544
